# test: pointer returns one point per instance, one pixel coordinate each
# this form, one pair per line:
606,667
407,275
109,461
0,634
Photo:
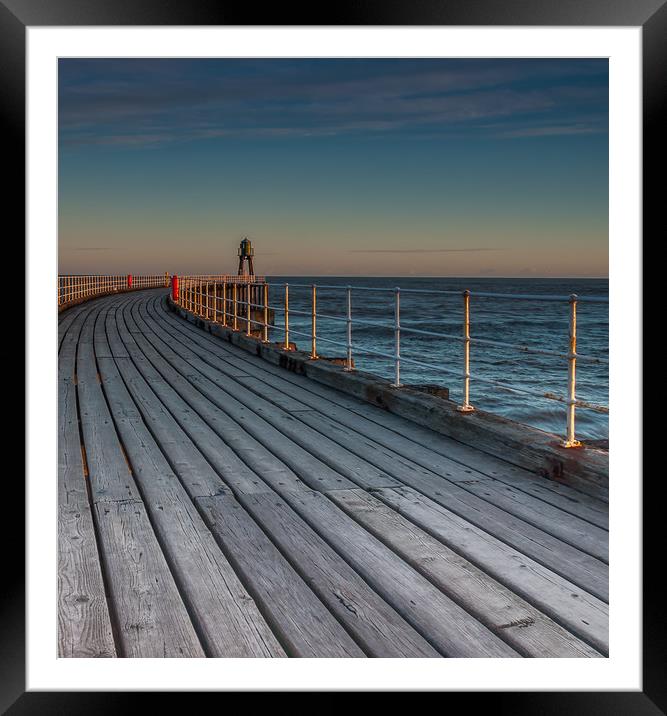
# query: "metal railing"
233,307
224,278
81,287
220,297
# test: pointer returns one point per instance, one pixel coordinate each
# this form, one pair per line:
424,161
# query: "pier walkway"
213,504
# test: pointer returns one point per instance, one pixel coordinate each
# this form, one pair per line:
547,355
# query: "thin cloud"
88,248
140,103
418,251
550,132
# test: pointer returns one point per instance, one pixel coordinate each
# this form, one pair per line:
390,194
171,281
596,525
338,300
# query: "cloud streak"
146,103
89,248
419,251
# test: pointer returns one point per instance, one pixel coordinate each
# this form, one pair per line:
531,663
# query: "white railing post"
247,309
466,407
266,313
397,338
313,318
286,307
570,438
235,325
215,302
348,321
224,303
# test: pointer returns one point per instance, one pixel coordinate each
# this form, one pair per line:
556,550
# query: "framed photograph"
348,341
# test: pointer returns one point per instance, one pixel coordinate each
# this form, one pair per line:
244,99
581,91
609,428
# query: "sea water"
538,324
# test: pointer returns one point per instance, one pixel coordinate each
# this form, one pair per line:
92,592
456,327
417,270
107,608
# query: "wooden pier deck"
213,504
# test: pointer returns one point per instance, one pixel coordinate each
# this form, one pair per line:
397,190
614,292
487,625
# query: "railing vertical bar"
313,317
466,407
286,306
397,338
348,362
247,309
235,326
266,313
570,437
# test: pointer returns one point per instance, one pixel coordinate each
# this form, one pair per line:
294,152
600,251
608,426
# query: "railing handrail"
80,287
227,278
452,292
195,297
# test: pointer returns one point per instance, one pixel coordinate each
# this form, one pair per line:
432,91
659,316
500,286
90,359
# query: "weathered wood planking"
225,615
510,617
66,319
592,508
308,468
302,622
455,632
378,628
582,613
600,585
151,619
583,569
375,625
443,622
425,447
84,624
391,430
239,442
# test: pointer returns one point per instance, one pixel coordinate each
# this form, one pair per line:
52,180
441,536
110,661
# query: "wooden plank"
574,564
262,418
277,397
459,634
305,626
375,625
510,617
84,624
238,450
66,319
451,629
484,462
569,605
327,523
227,619
448,626
570,529
422,441
151,619
309,469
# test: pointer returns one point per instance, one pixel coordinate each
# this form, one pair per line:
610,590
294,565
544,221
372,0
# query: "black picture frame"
17,15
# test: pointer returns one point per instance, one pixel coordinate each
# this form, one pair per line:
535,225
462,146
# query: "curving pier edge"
587,468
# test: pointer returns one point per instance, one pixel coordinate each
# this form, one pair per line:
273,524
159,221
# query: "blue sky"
389,167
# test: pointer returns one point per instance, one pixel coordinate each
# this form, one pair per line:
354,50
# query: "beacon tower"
246,252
